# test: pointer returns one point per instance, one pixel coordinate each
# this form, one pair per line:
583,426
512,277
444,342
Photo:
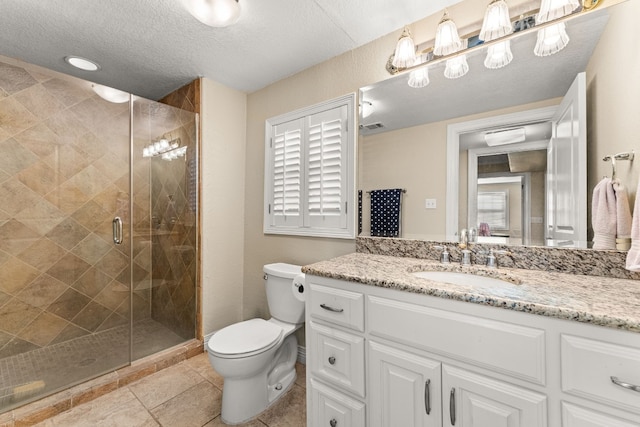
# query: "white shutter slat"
324,165
287,172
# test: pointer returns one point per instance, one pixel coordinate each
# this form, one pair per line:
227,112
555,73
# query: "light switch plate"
430,203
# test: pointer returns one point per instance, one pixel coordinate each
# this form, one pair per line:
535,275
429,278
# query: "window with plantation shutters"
309,171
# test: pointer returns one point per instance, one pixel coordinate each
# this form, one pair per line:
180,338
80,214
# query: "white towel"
623,211
633,256
603,215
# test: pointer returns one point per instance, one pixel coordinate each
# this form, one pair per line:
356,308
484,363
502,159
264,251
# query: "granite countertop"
600,301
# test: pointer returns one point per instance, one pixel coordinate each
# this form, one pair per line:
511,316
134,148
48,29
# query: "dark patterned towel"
385,212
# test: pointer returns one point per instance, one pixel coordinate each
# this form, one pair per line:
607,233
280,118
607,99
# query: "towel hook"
620,156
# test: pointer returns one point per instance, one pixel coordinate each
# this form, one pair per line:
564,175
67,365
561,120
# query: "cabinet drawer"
576,416
587,368
504,347
338,357
337,306
332,408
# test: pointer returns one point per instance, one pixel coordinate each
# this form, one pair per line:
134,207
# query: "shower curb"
40,410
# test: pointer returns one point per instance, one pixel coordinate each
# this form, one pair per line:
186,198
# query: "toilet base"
245,398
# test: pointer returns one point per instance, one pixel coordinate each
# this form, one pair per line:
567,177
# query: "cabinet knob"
333,422
332,360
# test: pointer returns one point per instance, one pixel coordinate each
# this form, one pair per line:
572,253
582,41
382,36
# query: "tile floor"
184,395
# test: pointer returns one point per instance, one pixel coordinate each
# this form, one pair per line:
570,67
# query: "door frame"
453,153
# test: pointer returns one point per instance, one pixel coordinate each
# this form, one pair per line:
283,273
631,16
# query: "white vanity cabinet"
384,357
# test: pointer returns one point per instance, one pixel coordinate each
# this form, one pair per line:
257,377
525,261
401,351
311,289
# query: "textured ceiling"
151,47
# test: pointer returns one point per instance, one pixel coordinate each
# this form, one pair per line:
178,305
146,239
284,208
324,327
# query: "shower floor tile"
54,367
196,405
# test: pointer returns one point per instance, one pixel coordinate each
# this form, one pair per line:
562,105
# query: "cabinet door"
472,400
330,408
404,389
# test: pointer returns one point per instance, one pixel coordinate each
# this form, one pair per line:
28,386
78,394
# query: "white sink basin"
464,279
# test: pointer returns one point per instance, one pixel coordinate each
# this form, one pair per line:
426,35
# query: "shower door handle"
117,230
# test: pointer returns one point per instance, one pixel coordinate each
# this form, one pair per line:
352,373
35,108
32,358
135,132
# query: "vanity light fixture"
110,94
82,63
457,66
495,36
405,53
497,22
498,55
551,39
447,37
214,13
161,147
505,136
419,77
554,9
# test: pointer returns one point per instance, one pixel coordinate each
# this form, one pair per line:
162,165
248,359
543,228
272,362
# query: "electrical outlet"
430,203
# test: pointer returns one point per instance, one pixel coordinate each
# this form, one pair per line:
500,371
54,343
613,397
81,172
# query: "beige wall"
341,75
223,183
613,98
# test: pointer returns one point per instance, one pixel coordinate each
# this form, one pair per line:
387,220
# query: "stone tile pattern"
64,175
188,98
174,225
186,394
96,399
57,366
598,300
562,260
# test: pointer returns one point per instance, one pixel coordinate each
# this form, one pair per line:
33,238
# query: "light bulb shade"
405,54
551,39
110,94
447,38
497,22
419,77
456,67
215,13
554,9
498,55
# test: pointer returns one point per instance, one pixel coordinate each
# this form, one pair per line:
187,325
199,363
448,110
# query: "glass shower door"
164,226
65,301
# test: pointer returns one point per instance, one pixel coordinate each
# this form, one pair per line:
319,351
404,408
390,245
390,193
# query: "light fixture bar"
441,59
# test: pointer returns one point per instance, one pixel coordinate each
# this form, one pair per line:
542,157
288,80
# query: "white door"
566,170
472,400
404,388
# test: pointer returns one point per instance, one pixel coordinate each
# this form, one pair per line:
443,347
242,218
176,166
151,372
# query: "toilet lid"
249,336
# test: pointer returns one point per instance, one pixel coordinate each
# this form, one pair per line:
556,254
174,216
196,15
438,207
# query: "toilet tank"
279,285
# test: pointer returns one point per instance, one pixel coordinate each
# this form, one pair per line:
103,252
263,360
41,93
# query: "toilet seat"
245,339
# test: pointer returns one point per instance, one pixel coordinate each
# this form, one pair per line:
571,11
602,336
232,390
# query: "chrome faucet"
444,256
492,260
466,237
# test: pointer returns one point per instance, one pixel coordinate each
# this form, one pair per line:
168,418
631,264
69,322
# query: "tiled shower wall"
174,205
64,174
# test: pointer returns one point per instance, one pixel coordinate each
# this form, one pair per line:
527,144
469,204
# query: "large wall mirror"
524,188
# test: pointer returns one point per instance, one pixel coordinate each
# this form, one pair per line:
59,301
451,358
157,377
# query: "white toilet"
257,357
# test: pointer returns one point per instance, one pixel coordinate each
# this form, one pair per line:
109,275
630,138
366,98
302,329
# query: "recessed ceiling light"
82,63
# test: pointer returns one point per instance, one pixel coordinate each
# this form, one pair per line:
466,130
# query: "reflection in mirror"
403,142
